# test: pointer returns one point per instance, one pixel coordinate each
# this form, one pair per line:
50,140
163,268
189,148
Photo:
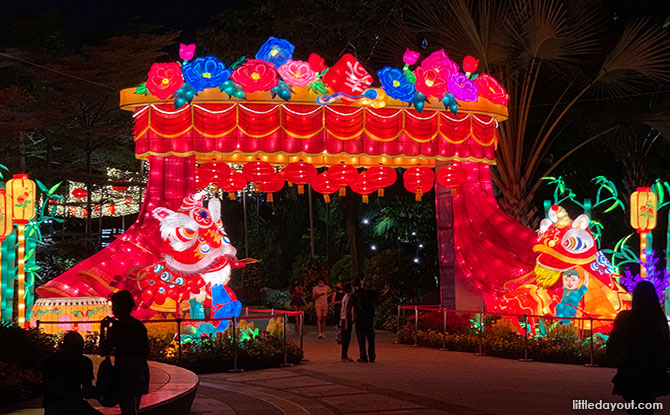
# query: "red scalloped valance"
322,135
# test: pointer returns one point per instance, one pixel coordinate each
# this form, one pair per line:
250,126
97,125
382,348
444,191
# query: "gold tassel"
365,198
231,195
380,192
290,184
269,198
343,191
418,195
326,198
301,189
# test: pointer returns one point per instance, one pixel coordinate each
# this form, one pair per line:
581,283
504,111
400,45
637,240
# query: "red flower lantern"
213,172
451,175
381,177
300,173
233,183
363,186
322,184
342,175
419,180
255,75
258,171
274,184
490,88
164,79
79,193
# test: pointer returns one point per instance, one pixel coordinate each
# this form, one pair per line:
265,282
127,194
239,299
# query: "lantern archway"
280,112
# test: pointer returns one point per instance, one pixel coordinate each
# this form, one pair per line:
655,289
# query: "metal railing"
480,329
273,313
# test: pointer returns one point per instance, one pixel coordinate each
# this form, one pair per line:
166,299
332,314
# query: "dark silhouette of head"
73,343
356,283
645,303
122,304
347,287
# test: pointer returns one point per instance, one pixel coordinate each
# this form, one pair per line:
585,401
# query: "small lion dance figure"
197,260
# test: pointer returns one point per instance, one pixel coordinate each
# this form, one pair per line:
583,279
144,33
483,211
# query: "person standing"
336,301
639,346
297,300
363,302
346,322
320,294
128,337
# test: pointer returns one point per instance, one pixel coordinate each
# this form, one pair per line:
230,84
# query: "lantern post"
22,192
643,204
6,228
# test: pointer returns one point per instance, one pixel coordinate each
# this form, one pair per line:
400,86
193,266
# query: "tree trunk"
350,205
89,189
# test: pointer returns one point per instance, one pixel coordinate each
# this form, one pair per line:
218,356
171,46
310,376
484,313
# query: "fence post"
178,340
416,327
592,363
397,331
444,330
481,333
525,340
246,311
234,328
284,321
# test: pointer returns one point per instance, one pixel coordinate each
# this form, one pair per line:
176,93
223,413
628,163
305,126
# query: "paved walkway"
404,380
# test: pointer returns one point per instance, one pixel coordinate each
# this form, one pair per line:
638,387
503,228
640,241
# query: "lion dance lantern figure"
197,260
571,277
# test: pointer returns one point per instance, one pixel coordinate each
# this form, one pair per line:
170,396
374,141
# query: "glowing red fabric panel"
223,130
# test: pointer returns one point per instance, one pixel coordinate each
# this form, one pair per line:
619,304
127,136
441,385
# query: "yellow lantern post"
6,227
22,191
643,204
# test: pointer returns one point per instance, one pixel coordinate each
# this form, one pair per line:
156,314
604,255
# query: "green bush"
278,299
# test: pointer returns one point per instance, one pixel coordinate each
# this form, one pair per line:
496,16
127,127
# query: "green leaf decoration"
41,186
142,89
318,87
54,188
238,63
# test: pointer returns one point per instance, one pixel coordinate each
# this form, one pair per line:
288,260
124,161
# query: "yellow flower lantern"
22,191
643,203
643,209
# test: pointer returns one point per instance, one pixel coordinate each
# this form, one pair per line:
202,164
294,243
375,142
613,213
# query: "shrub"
278,299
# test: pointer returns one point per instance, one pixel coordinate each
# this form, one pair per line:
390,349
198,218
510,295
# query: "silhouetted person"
638,346
128,337
363,302
346,321
67,377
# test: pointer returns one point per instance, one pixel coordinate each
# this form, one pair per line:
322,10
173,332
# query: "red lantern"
300,173
451,175
258,171
342,175
212,172
381,177
419,180
275,184
321,184
363,186
233,183
112,209
79,193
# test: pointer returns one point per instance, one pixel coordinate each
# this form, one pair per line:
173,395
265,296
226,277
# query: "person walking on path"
320,294
346,322
67,377
639,346
297,300
363,301
336,301
128,337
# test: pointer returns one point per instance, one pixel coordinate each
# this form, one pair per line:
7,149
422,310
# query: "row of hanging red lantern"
418,180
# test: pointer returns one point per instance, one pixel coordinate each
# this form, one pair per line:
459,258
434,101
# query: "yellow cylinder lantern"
71,313
22,191
643,204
